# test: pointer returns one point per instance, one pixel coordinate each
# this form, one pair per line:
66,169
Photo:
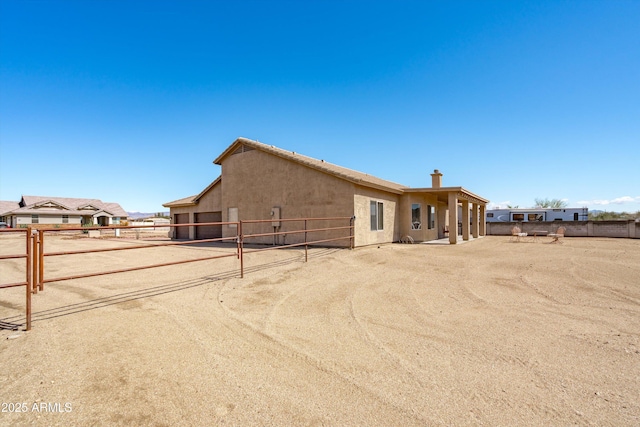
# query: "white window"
377,215
35,219
416,216
431,217
65,219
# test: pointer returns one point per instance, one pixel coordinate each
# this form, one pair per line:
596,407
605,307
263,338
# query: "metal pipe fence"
29,240
35,253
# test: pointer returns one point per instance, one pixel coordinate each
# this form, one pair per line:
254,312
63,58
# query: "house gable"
88,207
243,145
49,205
257,181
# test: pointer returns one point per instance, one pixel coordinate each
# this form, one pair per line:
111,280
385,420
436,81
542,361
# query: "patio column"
465,219
483,220
453,217
475,220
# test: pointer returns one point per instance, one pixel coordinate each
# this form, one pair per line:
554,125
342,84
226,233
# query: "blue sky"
131,101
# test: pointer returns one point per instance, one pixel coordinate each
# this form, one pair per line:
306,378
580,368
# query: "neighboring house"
5,208
258,179
32,210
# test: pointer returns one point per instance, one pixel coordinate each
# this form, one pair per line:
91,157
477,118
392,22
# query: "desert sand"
490,332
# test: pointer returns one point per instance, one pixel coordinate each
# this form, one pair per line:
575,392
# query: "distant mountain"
140,215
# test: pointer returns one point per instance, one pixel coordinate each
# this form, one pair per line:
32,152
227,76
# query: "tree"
551,203
612,216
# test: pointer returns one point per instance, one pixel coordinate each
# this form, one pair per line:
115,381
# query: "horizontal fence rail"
29,239
35,252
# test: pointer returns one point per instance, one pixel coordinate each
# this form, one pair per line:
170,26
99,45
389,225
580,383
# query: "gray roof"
192,200
6,207
67,205
187,201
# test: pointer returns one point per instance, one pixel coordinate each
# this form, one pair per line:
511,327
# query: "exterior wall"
46,219
623,229
211,201
254,182
405,216
616,229
391,224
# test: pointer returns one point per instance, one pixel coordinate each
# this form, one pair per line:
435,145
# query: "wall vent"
243,149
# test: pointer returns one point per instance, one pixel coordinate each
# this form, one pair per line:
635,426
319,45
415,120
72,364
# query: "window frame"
416,223
431,217
376,215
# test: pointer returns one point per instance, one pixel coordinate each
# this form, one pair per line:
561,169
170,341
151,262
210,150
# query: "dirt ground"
490,332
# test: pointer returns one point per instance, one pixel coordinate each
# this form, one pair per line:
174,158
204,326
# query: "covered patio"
456,205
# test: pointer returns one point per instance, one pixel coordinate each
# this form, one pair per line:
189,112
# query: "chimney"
436,179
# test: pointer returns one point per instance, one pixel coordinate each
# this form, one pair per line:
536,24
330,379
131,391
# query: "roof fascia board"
43,202
187,201
230,149
465,192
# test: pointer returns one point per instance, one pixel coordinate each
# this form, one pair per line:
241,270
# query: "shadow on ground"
18,321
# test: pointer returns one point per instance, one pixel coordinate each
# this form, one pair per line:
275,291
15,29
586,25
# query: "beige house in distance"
258,179
35,211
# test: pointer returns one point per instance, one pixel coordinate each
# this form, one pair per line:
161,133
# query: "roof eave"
447,190
230,149
374,186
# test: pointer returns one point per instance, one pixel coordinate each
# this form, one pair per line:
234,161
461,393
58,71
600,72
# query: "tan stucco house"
43,210
257,178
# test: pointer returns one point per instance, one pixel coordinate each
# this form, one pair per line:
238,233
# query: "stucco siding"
46,219
424,233
364,235
211,201
254,182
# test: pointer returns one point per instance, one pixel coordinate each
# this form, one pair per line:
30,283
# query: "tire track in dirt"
256,340
593,280
282,348
388,354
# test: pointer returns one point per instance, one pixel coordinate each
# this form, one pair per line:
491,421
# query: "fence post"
241,240
34,261
29,279
352,220
41,260
306,247
237,241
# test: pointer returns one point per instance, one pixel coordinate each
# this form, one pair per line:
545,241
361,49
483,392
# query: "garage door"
182,232
208,231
